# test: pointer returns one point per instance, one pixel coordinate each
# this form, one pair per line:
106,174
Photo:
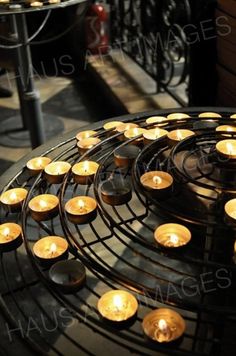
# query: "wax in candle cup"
50,249
56,171
36,4
81,209
54,1
10,237
226,128
178,117
68,276
230,211
133,134
125,156
37,165
87,143
157,121
124,127
13,199
153,134
4,1
159,183
85,134
116,192
163,325
233,116
84,172
227,149
209,115
172,235
44,207
117,306
178,135
111,126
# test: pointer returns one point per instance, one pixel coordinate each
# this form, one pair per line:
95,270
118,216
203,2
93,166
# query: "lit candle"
133,133
178,117
233,116
158,183
36,165
111,126
10,236
209,115
4,1
50,249
56,171
163,325
172,235
54,1
227,148
81,209
68,276
226,128
124,127
36,4
88,143
85,134
153,134
230,210
13,198
117,306
157,120
116,192
124,156
84,172
44,207
176,136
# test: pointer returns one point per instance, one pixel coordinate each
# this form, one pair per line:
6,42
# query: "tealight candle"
56,171
163,325
87,143
68,276
178,117
10,236
125,156
230,210
124,127
36,4
4,1
54,1
117,306
233,116
37,165
176,136
158,182
44,207
50,249
13,198
153,134
226,128
116,192
172,235
157,120
227,148
84,172
209,115
85,134
111,126
81,209
133,133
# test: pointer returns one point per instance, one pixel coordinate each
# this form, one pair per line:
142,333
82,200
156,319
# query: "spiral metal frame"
119,251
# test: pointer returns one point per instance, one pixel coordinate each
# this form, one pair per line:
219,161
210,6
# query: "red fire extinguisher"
97,28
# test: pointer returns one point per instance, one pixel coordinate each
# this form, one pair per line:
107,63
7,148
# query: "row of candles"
31,3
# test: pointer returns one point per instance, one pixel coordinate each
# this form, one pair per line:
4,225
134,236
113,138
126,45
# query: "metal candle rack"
119,250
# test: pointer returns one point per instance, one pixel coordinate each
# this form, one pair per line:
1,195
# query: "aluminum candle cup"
68,276
37,165
81,210
87,143
172,235
85,134
116,192
163,325
10,237
230,211
125,156
50,249
111,126
124,127
176,136
56,171
84,172
209,115
158,183
133,133
44,207
117,306
227,149
226,128
153,134
13,199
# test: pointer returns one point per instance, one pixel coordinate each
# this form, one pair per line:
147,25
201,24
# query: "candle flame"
157,180
13,196
136,133
117,301
43,204
229,148
162,325
174,239
179,135
53,248
86,166
81,204
39,162
157,133
229,129
6,231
